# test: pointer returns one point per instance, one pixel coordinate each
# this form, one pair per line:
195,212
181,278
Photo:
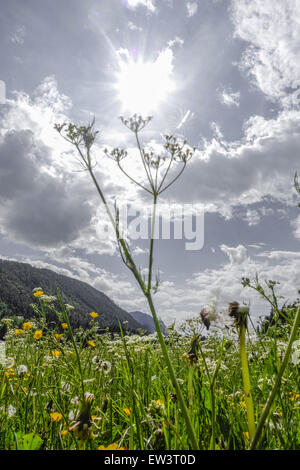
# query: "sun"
143,86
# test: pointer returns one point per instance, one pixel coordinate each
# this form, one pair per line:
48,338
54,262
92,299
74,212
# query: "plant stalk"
246,381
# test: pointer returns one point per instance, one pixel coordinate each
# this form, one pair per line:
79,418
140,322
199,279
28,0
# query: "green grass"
134,403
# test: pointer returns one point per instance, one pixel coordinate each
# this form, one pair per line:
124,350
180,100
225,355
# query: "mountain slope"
18,279
147,321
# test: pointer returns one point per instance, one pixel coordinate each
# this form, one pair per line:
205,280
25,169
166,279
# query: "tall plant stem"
246,381
171,371
281,370
161,339
147,292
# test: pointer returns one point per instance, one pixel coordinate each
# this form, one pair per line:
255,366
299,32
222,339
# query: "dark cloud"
37,208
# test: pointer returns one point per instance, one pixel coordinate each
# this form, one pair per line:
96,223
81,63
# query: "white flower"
74,401
296,353
86,381
2,352
11,411
69,307
95,360
22,369
48,298
65,386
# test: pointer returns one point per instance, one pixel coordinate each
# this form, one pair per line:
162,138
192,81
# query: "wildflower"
65,386
64,325
208,314
295,359
104,365
38,334
243,404
22,369
63,432
87,381
19,331
27,326
11,411
127,411
38,293
69,307
91,343
55,353
114,446
55,416
74,401
48,298
59,335
239,314
94,314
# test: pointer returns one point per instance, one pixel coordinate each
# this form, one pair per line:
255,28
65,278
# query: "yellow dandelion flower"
38,334
94,314
55,353
64,325
25,389
113,446
19,332
27,326
63,432
127,411
243,404
55,416
58,335
159,402
38,293
92,343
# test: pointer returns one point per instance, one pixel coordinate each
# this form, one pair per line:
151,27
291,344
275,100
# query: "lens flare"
143,86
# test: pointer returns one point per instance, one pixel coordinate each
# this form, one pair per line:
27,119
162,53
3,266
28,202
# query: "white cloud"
296,226
192,8
18,36
229,98
134,27
149,4
227,174
252,217
177,41
272,30
237,255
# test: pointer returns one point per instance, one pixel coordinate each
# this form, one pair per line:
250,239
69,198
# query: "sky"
222,74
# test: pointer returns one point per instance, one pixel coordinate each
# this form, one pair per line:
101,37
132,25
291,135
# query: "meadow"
88,390
96,390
